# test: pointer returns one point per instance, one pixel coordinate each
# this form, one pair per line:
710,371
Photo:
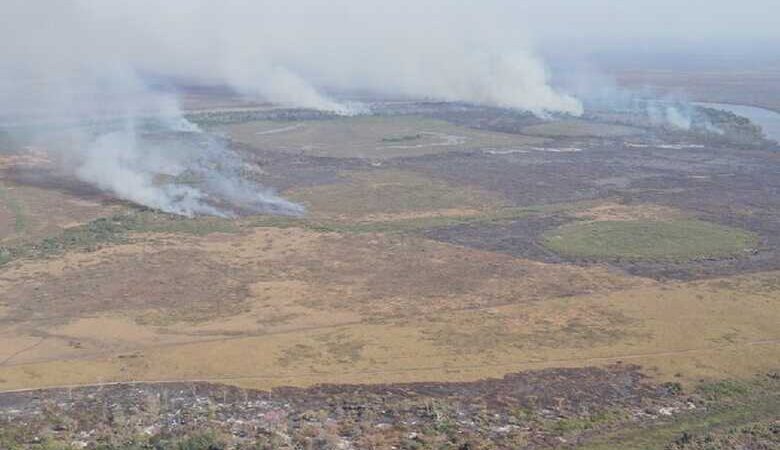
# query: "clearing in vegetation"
649,240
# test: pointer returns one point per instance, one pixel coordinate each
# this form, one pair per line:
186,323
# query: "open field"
429,252
381,193
320,306
370,137
649,240
576,128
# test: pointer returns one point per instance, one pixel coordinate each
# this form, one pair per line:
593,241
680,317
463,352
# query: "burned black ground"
543,409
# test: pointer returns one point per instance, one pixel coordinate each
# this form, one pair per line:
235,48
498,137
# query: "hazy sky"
295,51
628,21
75,61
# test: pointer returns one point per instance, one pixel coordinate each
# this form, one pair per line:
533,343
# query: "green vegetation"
728,412
202,441
118,228
113,230
579,128
388,192
20,219
723,389
576,425
759,435
672,240
374,137
206,440
6,255
398,226
405,138
419,223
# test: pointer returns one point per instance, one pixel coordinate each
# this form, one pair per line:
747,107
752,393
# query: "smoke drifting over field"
76,62
296,52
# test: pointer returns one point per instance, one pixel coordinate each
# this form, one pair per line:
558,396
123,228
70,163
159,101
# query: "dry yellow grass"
28,214
325,307
391,194
265,307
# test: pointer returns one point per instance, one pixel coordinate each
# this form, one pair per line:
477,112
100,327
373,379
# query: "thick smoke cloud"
298,51
293,52
86,104
87,61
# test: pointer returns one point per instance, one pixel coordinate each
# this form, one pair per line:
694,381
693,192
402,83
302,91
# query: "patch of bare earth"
617,211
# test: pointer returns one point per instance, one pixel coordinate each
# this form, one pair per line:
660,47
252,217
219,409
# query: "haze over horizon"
294,52
95,60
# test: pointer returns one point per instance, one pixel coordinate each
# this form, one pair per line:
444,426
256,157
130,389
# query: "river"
769,121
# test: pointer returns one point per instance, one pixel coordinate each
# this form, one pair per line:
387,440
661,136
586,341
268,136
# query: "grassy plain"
285,306
356,293
579,128
656,240
382,194
371,137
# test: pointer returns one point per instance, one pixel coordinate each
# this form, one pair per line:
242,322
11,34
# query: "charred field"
563,408
463,277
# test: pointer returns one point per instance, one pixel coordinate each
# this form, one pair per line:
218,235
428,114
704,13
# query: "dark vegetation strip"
117,228
113,230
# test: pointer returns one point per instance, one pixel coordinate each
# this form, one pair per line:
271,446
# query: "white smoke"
678,119
148,169
85,62
298,52
600,93
666,113
142,147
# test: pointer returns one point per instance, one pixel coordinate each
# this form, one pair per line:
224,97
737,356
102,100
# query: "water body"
769,121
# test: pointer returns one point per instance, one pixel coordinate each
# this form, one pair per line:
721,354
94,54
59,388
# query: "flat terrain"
437,247
562,408
656,240
370,137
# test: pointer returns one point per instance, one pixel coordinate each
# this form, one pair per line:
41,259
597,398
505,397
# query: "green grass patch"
404,138
724,389
575,425
758,435
579,128
20,218
673,240
736,405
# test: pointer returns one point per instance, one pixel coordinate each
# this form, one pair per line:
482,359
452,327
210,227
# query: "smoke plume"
81,66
